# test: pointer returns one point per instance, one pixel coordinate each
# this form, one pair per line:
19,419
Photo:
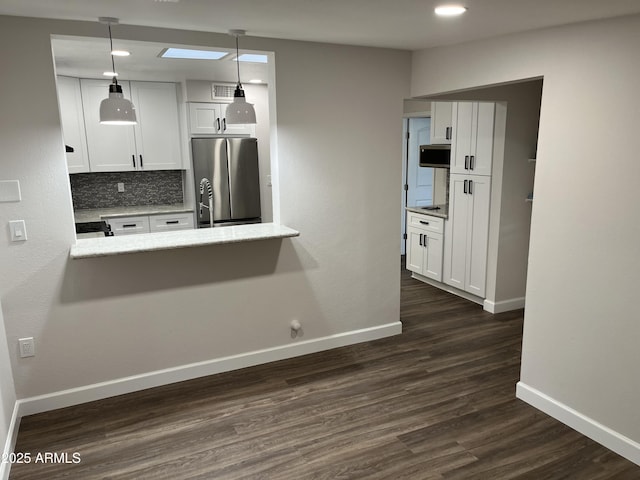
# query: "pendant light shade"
115,109
239,111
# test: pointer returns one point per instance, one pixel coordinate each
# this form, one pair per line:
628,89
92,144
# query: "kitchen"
117,190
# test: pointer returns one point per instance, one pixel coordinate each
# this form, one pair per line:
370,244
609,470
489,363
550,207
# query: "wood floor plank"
435,403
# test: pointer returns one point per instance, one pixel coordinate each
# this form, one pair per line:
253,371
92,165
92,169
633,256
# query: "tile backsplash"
100,190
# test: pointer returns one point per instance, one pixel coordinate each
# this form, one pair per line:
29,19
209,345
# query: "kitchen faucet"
206,183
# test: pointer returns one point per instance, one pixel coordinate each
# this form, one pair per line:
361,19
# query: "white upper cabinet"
210,119
72,121
152,144
157,133
472,146
441,122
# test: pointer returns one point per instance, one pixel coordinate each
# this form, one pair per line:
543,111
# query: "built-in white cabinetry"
467,232
71,117
472,146
425,245
151,223
210,119
441,122
152,144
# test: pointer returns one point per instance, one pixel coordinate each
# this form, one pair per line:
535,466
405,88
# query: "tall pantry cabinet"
467,229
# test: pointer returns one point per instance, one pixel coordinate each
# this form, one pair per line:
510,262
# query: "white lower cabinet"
467,233
151,223
425,245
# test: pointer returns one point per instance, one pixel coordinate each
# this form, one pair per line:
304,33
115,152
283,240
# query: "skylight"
192,54
253,57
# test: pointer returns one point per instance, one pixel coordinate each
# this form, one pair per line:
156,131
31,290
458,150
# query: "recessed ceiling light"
110,74
253,57
450,10
255,80
120,53
192,54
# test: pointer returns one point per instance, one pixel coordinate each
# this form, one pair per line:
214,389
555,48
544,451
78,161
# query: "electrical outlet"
27,347
120,187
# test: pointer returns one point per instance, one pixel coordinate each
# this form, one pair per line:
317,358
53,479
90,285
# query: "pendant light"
239,111
115,110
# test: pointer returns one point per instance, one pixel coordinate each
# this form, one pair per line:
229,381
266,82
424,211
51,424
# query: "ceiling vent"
222,91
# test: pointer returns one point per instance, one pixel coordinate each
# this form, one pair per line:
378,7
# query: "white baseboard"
504,305
98,391
448,288
603,435
10,444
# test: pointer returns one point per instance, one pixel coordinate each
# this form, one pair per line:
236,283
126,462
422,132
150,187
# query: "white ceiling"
404,24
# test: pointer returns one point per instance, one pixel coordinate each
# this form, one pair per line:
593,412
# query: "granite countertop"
441,212
118,245
98,214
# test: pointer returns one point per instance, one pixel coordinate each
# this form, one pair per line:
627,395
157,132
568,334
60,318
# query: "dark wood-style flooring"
436,402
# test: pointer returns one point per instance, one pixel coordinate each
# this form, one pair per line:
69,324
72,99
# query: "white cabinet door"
472,146
478,216
72,120
157,133
205,119
111,148
441,124
209,119
433,257
465,249
455,247
415,250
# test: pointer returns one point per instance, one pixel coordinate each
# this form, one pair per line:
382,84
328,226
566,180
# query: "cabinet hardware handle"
133,157
141,164
224,124
129,225
218,124
466,162
465,186
472,163
423,222
426,240
172,222
447,134
470,185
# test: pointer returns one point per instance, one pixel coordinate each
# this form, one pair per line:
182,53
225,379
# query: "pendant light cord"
113,63
238,61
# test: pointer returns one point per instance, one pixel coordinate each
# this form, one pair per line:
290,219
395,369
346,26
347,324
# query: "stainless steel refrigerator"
226,181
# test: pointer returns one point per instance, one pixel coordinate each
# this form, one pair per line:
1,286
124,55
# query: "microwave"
435,156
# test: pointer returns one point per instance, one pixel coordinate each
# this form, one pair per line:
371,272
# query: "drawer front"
129,225
425,222
168,222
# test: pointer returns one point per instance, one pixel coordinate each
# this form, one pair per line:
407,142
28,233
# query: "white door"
158,128
433,258
204,119
419,180
461,146
482,138
415,250
240,130
111,148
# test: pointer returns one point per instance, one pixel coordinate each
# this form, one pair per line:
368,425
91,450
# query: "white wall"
101,319
7,390
581,332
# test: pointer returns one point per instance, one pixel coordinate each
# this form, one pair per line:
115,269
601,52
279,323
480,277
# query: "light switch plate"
18,230
10,191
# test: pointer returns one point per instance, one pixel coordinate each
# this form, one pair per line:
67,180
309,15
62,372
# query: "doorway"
417,185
